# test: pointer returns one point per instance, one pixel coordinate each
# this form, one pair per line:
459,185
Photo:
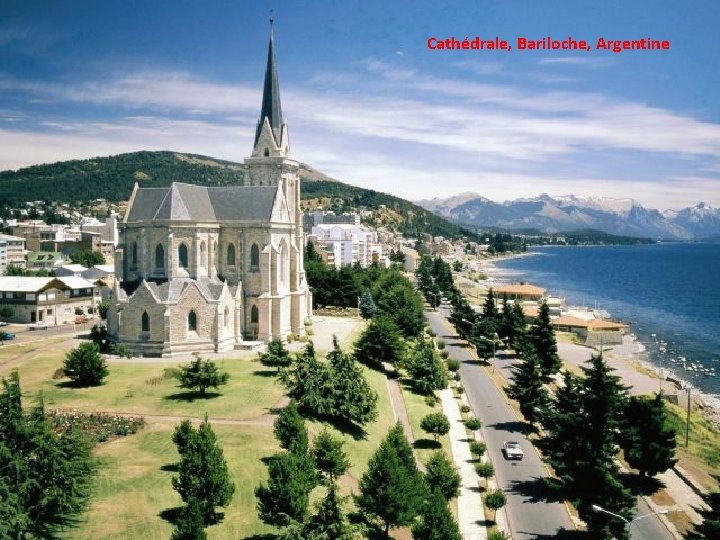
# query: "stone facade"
208,269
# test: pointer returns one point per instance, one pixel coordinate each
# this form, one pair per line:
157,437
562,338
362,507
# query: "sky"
367,102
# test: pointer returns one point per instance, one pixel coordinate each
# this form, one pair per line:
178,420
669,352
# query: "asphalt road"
532,510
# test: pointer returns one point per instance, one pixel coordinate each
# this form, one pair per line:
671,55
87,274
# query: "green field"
141,389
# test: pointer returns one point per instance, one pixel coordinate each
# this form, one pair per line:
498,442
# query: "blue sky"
367,102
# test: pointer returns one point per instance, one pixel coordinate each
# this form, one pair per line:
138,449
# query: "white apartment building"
12,252
349,243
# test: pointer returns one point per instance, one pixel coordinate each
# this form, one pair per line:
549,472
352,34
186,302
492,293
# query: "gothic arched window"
192,321
254,315
227,317
134,253
231,255
254,258
159,256
284,273
183,256
203,255
145,322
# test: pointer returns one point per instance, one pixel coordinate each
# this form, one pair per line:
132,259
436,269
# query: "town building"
12,252
216,268
47,300
350,244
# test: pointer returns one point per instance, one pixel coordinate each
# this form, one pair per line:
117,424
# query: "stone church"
213,268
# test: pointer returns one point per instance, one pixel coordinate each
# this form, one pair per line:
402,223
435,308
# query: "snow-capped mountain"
571,212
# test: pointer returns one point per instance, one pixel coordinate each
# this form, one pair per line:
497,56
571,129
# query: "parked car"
6,336
512,450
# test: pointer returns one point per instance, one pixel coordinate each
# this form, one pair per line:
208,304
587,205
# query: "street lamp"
598,508
435,296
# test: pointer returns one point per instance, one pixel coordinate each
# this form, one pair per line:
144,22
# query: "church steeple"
271,108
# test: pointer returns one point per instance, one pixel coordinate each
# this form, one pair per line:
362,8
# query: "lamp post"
435,297
628,522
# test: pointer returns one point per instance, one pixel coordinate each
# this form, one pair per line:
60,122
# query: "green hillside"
112,178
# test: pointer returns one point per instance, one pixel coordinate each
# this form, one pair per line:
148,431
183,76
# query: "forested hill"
112,178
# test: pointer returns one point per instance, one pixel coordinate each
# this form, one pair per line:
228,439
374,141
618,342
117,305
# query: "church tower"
271,164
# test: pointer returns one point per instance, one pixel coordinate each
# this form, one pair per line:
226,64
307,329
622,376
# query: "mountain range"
548,214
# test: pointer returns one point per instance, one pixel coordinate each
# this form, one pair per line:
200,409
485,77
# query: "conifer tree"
436,522
289,429
542,336
200,375
328,522
442,476
85,366
392,489
276,356
203,475
330,458
367,305
291,478
527,388
649,444
353,400
489,307
380,342
190,524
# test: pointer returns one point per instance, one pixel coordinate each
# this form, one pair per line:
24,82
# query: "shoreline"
638,360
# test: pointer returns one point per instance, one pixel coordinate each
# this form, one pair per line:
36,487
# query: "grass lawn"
133,492
141,389
417,409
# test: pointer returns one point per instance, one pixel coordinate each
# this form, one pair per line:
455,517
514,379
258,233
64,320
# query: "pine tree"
391,488
353,398
182,435
648,443
200,375
203,474
289,429
190,524
527,388
436,522
291,478
276,355
366,305
380,342
330,458
542,336
442,476
84,365
328,522
489,307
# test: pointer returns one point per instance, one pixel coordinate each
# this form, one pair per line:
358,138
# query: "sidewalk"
470,509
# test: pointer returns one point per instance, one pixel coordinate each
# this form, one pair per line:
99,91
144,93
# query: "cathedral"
216,268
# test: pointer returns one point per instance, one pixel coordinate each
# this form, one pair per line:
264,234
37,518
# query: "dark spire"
271,96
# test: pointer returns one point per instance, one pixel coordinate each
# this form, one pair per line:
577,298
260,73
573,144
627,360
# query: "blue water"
668,293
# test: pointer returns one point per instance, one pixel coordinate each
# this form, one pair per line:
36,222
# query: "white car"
512,450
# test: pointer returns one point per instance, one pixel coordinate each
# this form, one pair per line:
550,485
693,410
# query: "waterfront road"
532,510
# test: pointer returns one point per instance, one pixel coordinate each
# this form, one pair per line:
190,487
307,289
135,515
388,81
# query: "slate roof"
187,202
271,108
171,290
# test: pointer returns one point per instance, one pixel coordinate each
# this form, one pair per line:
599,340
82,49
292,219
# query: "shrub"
440,344
430,401
497,535
464,408
473,424
457,376
452,365
477,448
459,389
444,355
484,470
431,332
